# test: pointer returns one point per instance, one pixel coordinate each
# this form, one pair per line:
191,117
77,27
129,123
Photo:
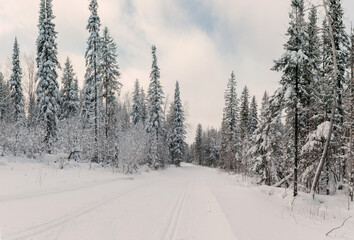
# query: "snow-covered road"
190,202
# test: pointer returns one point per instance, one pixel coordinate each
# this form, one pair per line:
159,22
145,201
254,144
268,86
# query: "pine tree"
47,62
92,78
136,108
15,85
155,115
178,132
109,72
253,116
69,96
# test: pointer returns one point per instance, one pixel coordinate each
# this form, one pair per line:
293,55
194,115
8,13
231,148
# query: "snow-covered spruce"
16,87
47,85
69,94
176,136
155,114
93,80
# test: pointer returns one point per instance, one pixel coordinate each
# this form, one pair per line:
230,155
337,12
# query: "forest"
298,137
302,137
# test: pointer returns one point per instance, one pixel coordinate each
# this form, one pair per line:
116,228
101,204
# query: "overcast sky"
199,43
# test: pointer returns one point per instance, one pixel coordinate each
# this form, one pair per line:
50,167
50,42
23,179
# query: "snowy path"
186,203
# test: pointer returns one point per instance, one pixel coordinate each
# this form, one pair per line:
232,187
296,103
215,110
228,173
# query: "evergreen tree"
324,87
341,42
69,96
109,73
4,97
92,82
15,85
155,99
214,149
253,116
178,132
136,108
155,115
267,150
143,110
231,147
295,87
313,70
244,114
320,101
198,145
258,150
47,62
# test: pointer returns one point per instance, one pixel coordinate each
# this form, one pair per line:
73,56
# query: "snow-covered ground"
40,201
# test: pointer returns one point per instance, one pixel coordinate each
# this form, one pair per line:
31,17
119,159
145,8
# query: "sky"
199,43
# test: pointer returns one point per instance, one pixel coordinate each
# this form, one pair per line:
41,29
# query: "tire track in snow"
90,184
170,230
63,220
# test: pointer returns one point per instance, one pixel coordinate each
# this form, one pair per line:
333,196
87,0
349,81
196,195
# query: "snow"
40,201
316,136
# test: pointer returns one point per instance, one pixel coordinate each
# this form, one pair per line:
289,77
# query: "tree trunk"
96,105
351,102
296,160
334,104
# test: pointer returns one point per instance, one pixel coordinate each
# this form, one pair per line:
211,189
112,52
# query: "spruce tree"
317,76
155,99
198,145
312,75
267,150
92,82
4,97
155,115
143,108
136,107
109,73
244,113
178,132
15,85
47,62
213,149
69,96
295,87
258,150
253,116
231,147
341,42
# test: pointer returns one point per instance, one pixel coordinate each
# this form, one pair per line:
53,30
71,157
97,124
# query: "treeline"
284,144
92,123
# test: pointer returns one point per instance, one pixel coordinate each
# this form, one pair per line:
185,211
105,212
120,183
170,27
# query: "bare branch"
339,226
